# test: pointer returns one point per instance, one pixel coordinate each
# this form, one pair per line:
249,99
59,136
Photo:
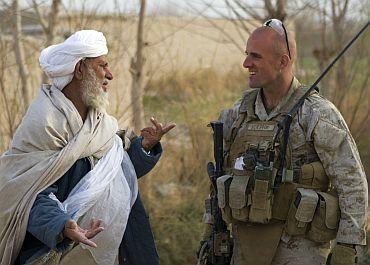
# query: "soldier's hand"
152,135
79,235
201,248
342,254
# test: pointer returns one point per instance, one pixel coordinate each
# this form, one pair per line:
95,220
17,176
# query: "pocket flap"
331,211
238,197
222,190
307,174
307,205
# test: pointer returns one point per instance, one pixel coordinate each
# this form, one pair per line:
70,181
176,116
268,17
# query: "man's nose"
108,74
247,63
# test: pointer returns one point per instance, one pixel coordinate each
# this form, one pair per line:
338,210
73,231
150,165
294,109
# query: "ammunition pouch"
301,212
262,195
239,201
240,198
324,225
313,175
314,215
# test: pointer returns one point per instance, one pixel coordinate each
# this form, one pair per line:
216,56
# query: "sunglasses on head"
279,27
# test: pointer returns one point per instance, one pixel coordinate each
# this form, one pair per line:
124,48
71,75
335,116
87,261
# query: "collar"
260,109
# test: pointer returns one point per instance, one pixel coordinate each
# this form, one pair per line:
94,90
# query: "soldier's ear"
284,61
78,73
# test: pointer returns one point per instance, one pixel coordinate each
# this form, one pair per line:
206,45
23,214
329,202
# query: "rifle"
284,125
217,250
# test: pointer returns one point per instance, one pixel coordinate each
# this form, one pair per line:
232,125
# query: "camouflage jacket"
320,124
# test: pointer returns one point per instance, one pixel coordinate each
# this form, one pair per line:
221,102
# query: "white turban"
59,61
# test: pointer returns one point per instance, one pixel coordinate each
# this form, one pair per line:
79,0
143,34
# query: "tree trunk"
19,54
49,26
136,70
276,11
50,33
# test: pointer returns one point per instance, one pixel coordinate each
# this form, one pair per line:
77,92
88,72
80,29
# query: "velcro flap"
222,190
331,210
238,197
261,186
307,174
307,205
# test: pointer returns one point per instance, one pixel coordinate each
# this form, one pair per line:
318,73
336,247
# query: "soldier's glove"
207,233
202,245
342,254
202,253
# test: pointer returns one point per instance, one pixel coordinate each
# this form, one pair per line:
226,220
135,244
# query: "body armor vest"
248,193
248,132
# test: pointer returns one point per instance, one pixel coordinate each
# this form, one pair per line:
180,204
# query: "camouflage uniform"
319,131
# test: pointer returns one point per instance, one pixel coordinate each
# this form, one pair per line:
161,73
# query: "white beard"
92,93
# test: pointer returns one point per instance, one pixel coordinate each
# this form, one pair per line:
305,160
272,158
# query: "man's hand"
152,135
79,235
342,254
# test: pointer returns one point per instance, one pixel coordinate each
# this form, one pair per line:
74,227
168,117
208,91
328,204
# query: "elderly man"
68,182
286,210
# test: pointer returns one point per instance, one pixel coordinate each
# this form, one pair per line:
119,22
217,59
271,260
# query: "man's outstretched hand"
152,135
79,235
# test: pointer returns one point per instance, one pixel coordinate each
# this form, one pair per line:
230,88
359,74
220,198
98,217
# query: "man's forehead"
100,59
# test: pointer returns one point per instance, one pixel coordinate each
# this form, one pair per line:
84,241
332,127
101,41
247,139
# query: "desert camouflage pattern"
301,251
320,129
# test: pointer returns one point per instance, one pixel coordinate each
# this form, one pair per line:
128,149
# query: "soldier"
289,216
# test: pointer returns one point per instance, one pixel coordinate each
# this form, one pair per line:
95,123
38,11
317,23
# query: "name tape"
261,127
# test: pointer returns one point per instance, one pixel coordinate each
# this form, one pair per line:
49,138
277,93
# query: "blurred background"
181,61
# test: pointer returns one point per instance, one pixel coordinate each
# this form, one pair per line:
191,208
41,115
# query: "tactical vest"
247,193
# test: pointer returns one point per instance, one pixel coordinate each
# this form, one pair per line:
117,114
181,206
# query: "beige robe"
51,137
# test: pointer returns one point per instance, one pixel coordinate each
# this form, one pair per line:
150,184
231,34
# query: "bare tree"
346,85
49,25
338,17
245,15
9,99
19,54
136,70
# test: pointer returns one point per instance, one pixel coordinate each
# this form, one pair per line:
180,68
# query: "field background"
193,69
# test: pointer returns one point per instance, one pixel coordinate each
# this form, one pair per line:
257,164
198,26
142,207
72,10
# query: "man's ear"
78,73
284,61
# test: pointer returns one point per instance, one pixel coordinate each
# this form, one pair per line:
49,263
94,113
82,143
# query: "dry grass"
174,192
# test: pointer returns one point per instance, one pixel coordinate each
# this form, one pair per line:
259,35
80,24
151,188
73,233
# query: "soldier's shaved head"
277,41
